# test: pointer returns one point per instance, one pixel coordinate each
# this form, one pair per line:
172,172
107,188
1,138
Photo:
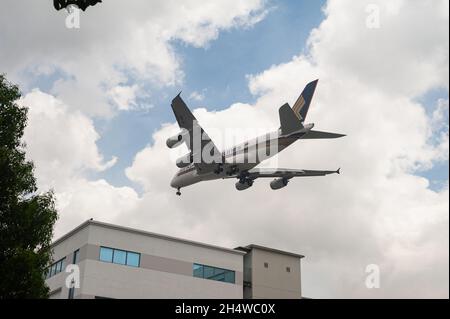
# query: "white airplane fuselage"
239,158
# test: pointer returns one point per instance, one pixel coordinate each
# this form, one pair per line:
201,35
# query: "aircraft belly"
186,179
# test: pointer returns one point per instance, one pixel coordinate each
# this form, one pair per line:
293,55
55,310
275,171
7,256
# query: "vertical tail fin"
301,106
288,120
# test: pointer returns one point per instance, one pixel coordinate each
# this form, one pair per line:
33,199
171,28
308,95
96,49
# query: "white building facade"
119,262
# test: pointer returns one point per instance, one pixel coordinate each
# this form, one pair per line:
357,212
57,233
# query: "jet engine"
176,140
244,184
184,161
279,183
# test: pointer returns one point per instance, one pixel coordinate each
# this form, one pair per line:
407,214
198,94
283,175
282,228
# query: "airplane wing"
286,173
281,175
198,143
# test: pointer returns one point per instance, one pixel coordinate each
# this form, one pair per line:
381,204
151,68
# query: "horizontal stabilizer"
318,135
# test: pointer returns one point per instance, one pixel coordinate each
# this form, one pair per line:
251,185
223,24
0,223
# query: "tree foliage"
26,217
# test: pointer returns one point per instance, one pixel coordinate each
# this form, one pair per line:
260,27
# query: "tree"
26,217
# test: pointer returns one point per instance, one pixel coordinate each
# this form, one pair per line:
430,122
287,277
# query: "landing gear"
233,170
219,169
244,183
246,180
178,192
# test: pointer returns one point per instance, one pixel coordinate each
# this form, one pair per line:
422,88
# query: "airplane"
234,162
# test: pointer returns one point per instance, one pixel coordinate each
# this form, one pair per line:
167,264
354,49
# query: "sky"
217,73
99,114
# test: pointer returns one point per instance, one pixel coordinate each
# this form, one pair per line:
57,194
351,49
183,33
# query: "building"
120,262
271,273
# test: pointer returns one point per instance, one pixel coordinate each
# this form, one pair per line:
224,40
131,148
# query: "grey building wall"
271,273
165,267
105,280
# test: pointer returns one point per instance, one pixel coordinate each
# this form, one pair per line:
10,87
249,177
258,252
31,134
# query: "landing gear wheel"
178,192
245,180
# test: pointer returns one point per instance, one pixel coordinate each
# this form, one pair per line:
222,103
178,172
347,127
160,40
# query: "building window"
288,269
120,257
106,254
51,270
59,266
213,273
76,256
133,259
266,265
198,270
56,268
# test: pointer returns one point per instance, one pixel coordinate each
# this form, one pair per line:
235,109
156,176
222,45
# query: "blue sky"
219,72
438,174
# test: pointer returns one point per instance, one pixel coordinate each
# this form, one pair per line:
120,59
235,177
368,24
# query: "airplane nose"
173,182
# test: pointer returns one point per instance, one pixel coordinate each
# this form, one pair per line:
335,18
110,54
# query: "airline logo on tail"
298,106
303,102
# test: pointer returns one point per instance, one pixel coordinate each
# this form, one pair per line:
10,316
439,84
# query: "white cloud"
60,140
83,199
439,130
62,144
377,211
392,58
124,96
116,42
440,114
196,96
116,39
